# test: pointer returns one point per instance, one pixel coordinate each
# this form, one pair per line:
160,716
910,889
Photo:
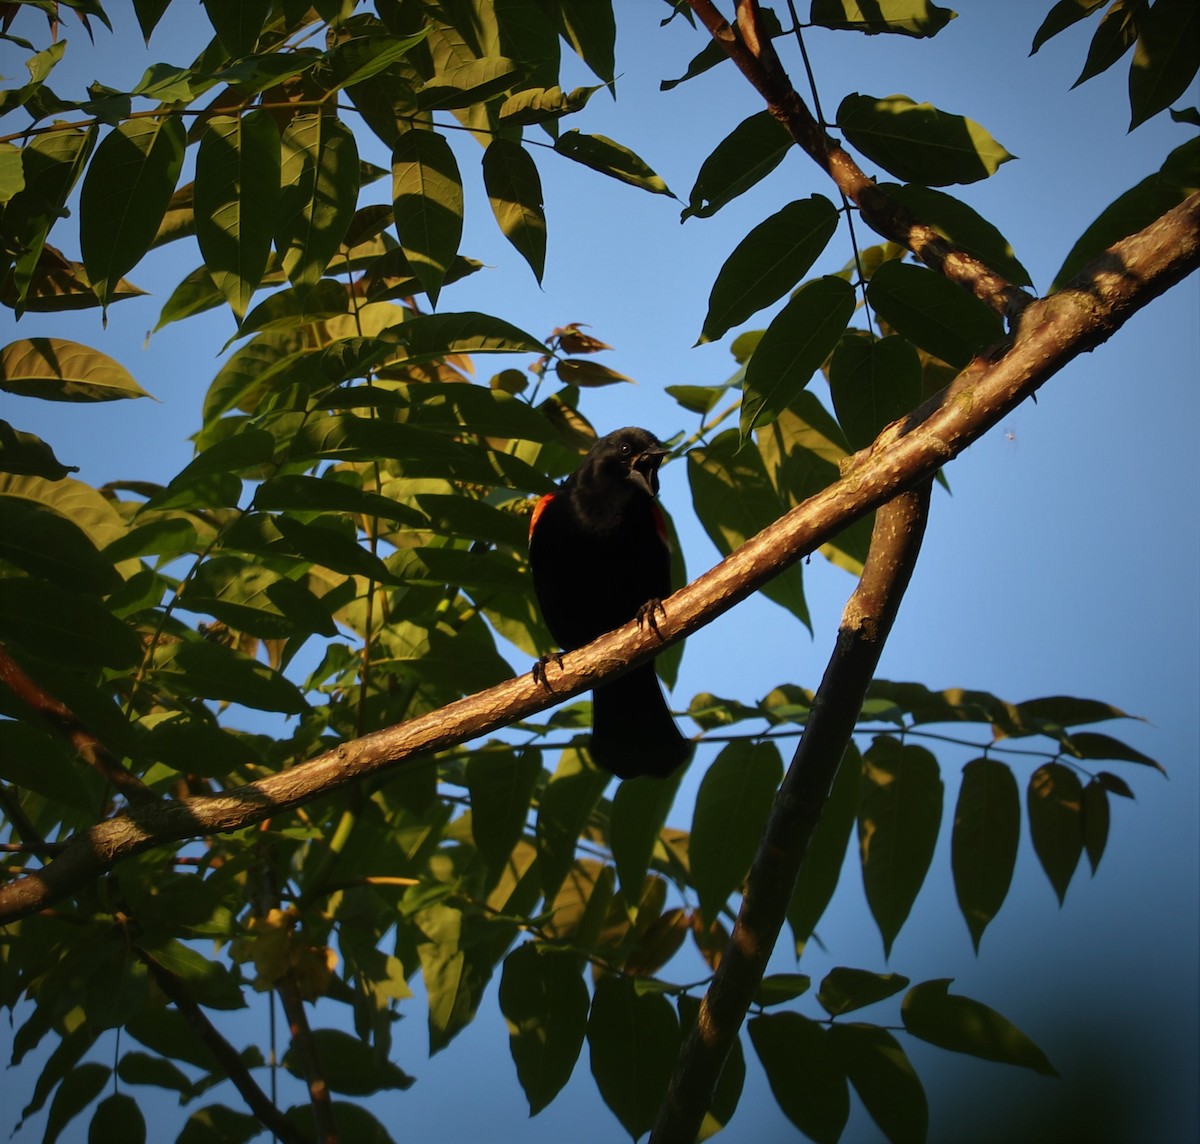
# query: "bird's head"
632,454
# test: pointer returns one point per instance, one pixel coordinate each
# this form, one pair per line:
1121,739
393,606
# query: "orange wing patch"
538,509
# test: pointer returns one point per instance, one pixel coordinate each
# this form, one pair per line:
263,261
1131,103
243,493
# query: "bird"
600,556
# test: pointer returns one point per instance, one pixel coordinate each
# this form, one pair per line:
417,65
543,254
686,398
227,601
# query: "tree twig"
866,622
1052,332
305,1049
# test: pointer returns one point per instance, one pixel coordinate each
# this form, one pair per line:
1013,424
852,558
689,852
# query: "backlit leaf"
1114,36
58,370
1062,16
732,805
349,1066
800,337
639,812
917,18
843,990
962,1025
749,153
501,787
884,1079
805,1075
49,545
427,198
1095,821
898,819
610,158
918,143
515,193
1055,806
983,847
213,671
566,803
873,382
768,262
117,1117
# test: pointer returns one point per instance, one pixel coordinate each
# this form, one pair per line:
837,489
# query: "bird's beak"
644,470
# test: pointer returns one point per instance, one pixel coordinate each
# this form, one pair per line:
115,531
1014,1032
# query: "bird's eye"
626,450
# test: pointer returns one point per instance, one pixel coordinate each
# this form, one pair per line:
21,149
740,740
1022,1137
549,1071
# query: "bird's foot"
648,613
539,668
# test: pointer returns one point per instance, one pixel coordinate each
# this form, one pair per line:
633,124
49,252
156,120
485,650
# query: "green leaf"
542,104
49,545
79,1088
474,81
545,1005
873,382
898,819
25,454
1115,35
293,492
501,786
319,177
216,1124
1094,745
609,158
826,854
1165,59
591,30
768,262
750,152
251,598
237,202
287,309
804,1073
117,1117
918,143
57,370
31,757
125,195
732,805
1054,800
237,25
1095,820
777,988
209,982
639,812
633,1040
1064,14
514,190
962,1025
735,500
983,847
565,806
326,544
427,198
933,313
357,59
63,626
962,226
141,1068
843,990
798,340
431,336
884,1079
349,1065
917,18
213,671
1136,208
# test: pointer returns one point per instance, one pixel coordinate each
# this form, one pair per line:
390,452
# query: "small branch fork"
866,622
750,49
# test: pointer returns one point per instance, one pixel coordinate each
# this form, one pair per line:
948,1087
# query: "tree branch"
754,56
1051,333
306,1050
866,622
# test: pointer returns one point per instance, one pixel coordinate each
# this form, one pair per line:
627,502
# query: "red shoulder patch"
538,509
660,525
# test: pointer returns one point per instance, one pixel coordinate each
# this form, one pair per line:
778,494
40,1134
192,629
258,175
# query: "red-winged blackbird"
600,556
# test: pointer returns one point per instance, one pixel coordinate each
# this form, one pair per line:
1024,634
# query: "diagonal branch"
866,622
1052,332
749,47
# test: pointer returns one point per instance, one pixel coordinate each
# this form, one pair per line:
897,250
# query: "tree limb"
866,622
1051,333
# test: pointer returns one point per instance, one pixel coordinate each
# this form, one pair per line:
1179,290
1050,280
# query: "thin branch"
756,59
306,1052
63,720
866,622
1052,332
226,1055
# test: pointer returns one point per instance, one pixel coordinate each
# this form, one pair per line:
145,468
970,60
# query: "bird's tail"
632,730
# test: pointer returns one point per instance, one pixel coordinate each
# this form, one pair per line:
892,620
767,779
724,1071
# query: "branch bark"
1051,333
866,622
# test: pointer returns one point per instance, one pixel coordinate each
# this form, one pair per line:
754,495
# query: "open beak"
644,469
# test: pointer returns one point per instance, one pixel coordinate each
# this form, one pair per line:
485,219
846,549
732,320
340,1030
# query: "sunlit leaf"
918,143
962,1025
610,158
58,370
473,81
427,198
515,193
917,18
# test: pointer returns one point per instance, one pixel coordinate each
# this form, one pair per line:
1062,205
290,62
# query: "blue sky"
1064,561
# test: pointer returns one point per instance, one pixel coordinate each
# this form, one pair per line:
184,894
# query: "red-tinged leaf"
797,342
983,848
633,1041
884,1079
732,804
1055,805
1095,821
962,1025
843,990
545,1004
659,942
898,819
804,1073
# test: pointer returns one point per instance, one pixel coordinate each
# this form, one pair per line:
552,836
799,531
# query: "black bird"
600,556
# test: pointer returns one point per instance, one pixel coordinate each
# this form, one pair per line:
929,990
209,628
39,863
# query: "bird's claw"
648,613
539,668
